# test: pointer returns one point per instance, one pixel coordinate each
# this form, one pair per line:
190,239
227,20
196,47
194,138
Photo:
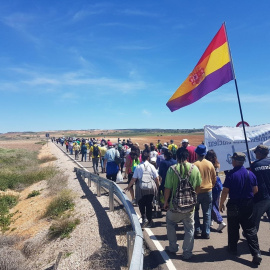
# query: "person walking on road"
96,156
216,190
191,150
77,150
84,151
144,196
109,162
208,175
241,185
103,150
173,184
261,169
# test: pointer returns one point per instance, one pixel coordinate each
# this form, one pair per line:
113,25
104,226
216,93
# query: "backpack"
95,151
173,150
122,152
185,196
159,146
147,181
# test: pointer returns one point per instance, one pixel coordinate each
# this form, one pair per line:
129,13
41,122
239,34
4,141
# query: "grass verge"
34,193
6,202
20,168
61,203
63,227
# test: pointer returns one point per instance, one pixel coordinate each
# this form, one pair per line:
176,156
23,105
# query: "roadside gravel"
98,242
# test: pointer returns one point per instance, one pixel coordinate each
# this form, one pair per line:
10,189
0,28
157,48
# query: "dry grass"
32,246
57,183
8,241
47,158
12,259
63,227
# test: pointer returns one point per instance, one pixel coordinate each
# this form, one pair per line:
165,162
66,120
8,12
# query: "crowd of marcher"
184,178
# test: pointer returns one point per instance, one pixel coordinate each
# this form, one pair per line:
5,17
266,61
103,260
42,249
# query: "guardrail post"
130,245
98,187
111,196
89,181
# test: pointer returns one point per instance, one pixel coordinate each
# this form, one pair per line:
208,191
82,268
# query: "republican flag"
212,71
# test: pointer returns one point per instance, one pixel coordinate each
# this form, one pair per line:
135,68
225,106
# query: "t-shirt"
235,181
159,159
163,168
261,169
110,154
172,179
84,149
103,150
153,155
192,155
138,173
208,174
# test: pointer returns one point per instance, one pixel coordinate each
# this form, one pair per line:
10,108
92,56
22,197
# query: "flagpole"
238,97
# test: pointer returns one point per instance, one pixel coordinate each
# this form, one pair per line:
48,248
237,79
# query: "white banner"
227,140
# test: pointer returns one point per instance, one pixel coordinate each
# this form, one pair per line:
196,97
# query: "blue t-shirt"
261,168
235,182
163,168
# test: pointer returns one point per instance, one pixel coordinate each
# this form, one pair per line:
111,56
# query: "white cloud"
39,81
146,113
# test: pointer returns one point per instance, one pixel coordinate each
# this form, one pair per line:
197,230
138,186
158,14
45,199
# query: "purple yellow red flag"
212,71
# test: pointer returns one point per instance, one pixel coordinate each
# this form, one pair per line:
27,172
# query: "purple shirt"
235,181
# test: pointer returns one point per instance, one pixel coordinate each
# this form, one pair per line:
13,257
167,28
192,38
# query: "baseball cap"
201,150
263,149
185,140
165,144
239,156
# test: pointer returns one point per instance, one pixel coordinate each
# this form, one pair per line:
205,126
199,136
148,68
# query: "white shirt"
138,173
153,155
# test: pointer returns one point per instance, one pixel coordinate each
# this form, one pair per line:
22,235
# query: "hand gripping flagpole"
239,103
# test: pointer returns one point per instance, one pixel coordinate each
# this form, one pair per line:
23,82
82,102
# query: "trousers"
240,213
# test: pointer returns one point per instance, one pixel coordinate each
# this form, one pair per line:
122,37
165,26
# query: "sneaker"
150,224
134,202
168,249
221,226
197,234
186,257
257,259
205,236
144,223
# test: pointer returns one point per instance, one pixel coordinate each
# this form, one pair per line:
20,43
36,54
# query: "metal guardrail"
134,238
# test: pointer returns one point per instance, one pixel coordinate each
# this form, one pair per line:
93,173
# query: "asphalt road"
207,254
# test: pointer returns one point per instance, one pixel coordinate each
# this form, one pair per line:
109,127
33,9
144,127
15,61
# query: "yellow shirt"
92,150
103,150
171,145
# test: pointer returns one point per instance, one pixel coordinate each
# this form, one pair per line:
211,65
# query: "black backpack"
95,151
122,152
185,196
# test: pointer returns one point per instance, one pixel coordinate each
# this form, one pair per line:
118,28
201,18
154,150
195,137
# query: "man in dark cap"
241,185
261,168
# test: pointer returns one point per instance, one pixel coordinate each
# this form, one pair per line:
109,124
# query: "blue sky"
114,64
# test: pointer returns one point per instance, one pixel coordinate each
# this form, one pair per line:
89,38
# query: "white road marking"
159,247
